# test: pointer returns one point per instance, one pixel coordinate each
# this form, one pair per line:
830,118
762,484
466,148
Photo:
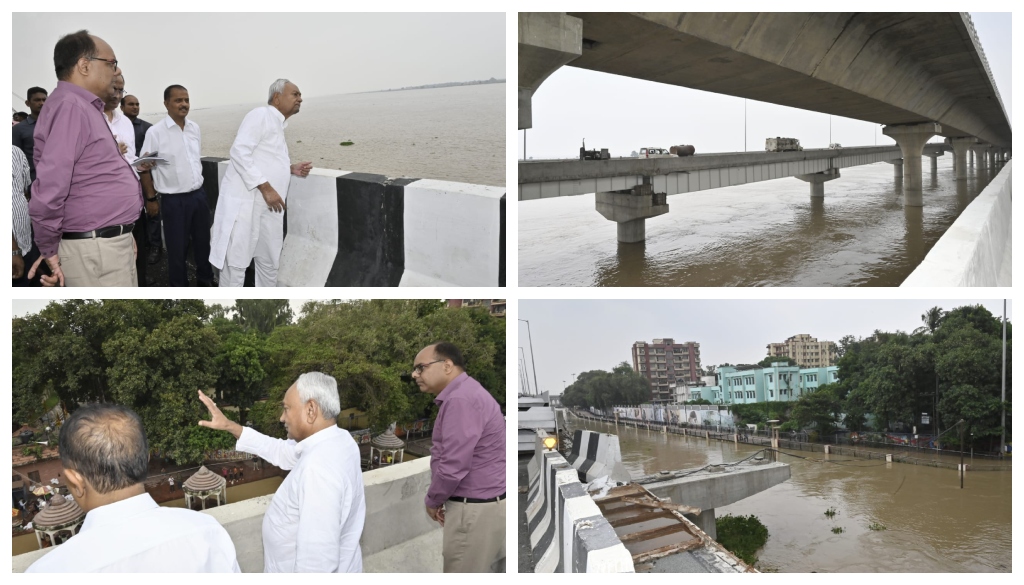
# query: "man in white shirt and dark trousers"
105,456
315,519
186,213
249,221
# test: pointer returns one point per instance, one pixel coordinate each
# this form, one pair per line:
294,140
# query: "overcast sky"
22,307
233,58
623,114
573,336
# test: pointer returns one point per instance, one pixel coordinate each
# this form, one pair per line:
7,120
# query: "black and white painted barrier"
568,533
976,249
596,455
360,229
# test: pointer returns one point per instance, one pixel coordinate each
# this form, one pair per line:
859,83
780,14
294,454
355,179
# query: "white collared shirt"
138,536
123,130
315,519
182,149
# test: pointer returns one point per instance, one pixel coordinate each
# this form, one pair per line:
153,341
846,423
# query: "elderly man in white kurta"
249,222
315,519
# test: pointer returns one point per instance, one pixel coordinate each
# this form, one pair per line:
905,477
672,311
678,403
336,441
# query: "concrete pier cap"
911,139
547,40
818,180
630,210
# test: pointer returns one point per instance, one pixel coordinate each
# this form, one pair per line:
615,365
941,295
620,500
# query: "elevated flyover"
919,74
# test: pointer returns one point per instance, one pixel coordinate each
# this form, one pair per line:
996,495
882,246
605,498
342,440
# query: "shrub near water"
742,535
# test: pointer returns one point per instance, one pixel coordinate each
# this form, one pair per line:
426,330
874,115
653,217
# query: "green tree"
262,315
768,361
820,409
241,374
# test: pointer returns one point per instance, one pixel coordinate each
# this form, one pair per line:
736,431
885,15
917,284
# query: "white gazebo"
390,449
60,520
205,484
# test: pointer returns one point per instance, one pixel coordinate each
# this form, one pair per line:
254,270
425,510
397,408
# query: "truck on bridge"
779,144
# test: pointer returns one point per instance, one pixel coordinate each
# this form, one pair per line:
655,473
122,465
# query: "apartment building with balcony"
806,350
665,363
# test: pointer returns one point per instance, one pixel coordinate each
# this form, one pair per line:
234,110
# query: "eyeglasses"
111,62
418,369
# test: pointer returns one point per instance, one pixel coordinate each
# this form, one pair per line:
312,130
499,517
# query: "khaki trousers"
99,261
474,537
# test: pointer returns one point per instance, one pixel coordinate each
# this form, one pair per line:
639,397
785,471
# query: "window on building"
34,476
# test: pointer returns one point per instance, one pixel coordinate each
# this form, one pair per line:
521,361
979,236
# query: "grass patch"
831,513
838,530
876,526
347,143
743,536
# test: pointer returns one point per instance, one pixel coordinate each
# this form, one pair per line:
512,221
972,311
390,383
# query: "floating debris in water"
347,143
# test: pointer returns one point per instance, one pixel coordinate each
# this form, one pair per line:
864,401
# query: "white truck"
779,144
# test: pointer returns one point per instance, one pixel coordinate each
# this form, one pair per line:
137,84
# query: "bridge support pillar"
960,148
630,210
705,521
970,153
817,181
935,160
911,139
547,40
981,155
897,168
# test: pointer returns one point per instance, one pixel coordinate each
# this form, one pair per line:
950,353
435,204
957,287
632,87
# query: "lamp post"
961,423
529,336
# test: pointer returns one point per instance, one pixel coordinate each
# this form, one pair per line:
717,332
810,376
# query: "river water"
769,233
449,133
931,524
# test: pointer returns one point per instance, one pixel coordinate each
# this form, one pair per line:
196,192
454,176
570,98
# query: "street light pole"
961,423
525,373
532,361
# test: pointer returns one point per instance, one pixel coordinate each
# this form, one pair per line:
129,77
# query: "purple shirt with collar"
468,456
82,181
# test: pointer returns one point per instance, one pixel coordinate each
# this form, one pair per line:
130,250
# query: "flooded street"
769,233
931,525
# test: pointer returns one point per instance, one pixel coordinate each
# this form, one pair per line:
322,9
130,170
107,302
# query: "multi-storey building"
755,384
806,350
665,363
495,306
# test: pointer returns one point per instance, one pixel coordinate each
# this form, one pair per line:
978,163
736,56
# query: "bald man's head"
106,444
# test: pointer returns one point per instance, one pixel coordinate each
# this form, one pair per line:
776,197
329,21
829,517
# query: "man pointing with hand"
249,221
315,519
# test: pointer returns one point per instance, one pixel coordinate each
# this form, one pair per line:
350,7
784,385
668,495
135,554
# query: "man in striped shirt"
21,240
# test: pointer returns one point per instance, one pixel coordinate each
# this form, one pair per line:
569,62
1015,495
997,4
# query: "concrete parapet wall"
394,516
360,229
597,455
568,534
976,249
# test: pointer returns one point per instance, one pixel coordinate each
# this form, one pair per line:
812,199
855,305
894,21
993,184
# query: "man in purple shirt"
85,199
467,463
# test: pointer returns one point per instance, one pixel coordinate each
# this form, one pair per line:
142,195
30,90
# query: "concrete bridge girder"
911,139
547,41
817,181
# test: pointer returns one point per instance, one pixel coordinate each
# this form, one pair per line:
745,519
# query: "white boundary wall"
976,249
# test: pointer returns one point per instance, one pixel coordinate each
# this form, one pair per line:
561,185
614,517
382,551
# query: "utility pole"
532,361
961,423
526,375
1002,439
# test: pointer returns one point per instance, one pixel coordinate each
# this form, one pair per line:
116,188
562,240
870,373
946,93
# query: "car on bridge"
648,152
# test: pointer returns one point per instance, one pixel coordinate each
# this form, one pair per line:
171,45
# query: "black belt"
107,232
476,500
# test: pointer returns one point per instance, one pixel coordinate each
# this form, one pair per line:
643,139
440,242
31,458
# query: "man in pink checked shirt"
467,463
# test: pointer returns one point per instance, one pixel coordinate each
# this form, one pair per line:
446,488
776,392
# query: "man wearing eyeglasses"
86,198
467,463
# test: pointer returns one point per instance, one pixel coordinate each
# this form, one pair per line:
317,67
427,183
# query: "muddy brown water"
769,233
931,525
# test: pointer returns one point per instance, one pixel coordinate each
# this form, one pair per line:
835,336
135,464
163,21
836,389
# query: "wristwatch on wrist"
16,252
148,199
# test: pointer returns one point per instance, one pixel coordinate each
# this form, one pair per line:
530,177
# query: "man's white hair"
276,87
323,390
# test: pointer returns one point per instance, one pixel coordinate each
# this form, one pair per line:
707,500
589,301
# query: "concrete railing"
976,249
397,535
597,455
567,531
360,229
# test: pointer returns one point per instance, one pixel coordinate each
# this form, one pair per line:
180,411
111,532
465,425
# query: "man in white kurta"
315,518
249,222
105,456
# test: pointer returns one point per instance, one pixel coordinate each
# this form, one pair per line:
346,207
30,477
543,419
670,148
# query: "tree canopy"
152,355
602,389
